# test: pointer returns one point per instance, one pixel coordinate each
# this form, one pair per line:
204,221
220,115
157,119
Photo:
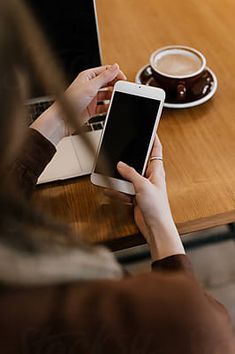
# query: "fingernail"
113,67
121,164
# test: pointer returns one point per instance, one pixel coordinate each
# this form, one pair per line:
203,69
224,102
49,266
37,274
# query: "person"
58,297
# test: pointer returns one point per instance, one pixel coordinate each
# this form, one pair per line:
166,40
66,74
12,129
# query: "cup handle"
181,91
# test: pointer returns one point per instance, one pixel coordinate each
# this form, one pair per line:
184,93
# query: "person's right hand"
152,211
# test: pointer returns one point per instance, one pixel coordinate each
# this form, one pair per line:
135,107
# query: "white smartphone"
128,134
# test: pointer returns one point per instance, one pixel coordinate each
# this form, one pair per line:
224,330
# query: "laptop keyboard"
36,109
95,123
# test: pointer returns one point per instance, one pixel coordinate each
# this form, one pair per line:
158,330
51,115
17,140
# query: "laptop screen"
70,26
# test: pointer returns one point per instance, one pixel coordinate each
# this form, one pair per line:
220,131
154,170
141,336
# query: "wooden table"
199,143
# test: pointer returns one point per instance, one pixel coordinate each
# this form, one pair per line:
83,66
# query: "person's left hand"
92,86
84,94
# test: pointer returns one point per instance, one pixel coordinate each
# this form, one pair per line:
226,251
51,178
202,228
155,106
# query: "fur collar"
57,265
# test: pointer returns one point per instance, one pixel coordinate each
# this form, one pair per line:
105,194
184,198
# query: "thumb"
130,174
106,76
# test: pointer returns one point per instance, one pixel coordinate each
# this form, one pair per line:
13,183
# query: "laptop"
71,28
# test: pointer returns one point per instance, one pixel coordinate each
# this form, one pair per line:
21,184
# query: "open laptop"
71,28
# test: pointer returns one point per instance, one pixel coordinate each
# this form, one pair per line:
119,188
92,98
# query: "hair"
24,51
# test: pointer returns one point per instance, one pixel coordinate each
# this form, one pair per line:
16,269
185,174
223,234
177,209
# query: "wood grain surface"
199,142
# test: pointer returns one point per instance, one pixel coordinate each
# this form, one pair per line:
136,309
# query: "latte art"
178,64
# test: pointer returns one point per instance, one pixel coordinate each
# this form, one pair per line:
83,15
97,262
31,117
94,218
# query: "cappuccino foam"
178,64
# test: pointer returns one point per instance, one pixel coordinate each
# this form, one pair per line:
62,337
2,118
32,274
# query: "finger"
157,147
130,174
155,166
100,69
102,108
93,72
104,95
155,171
120,76
107,76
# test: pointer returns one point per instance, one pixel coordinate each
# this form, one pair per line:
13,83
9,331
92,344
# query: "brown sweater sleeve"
36,153
179,262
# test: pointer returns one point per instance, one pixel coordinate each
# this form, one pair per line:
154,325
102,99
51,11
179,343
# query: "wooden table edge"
184,228
206,222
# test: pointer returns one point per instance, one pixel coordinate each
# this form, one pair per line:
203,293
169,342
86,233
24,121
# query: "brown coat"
164,312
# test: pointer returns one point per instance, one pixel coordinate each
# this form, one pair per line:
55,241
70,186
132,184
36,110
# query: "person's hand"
90,87
151,202
151,207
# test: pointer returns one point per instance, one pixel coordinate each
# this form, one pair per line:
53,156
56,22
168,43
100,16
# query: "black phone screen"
128,132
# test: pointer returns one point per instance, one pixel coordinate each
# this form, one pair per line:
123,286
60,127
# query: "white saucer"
188,104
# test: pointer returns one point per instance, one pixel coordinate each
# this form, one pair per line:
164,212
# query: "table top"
199,142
